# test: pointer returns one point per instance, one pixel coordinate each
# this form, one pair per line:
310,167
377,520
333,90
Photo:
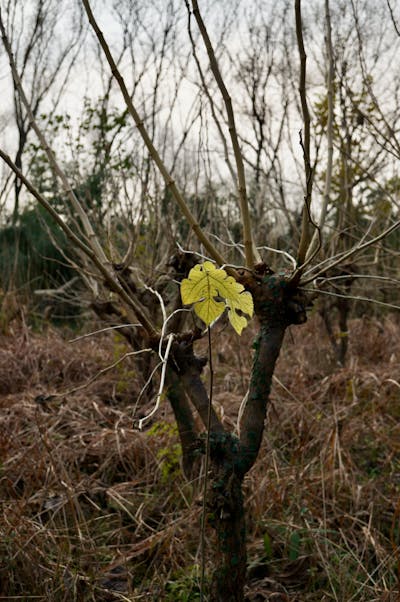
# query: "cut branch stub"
275,298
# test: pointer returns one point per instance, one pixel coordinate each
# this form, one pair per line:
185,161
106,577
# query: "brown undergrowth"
92,509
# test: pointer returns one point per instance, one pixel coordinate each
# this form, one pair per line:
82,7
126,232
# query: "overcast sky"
89,75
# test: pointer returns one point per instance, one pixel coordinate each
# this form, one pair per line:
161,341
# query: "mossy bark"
276,307
226,515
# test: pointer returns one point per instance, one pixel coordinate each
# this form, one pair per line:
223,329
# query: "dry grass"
94,510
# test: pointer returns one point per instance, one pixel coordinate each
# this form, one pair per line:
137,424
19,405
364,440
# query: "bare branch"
170,183
112,282
209,97
396,27
316,239
306,218
91,236
250,251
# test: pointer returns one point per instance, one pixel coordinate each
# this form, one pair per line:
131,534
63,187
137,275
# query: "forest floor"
93,509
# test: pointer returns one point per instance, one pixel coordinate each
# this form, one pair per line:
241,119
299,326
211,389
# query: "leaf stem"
206,468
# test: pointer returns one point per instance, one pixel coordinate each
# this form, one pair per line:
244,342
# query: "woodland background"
92,508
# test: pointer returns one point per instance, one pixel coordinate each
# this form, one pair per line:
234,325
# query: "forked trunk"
232,457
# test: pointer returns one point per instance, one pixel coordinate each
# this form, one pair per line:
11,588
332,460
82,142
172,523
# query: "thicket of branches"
262,138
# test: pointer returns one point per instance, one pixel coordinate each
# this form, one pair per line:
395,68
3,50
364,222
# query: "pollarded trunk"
231,458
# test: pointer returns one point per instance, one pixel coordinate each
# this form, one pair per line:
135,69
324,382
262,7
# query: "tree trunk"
276,306
226,516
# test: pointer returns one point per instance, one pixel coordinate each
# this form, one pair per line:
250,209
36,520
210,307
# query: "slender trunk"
344,310
276,307
17,183
231,459
224,502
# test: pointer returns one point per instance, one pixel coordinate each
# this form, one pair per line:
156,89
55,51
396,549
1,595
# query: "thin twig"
352,297
396,27
106,329
101,372
305,225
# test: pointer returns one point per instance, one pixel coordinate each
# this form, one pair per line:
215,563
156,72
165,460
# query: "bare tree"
44,63
280,297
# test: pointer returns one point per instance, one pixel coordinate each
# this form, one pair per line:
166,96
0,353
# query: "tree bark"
186,426
276,306
227,517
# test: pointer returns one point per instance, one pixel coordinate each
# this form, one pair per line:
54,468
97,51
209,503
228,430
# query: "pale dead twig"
101,372
321,281
353,297
341,257
240,246
164,363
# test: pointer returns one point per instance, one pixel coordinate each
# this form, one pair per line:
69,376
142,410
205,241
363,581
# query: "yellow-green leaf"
211,290
244,306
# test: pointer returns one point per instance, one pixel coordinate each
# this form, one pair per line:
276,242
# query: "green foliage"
31,253
170,461
294,545
183,587
169,456
267,544
95,169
